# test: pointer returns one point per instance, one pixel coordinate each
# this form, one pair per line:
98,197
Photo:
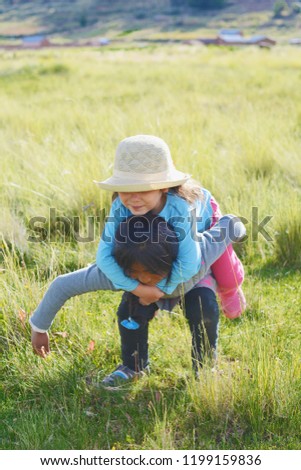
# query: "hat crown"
143,163
145,154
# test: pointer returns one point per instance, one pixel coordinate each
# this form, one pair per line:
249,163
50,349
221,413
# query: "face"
142,202
139,273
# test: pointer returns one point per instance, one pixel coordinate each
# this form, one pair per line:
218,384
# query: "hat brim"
115,184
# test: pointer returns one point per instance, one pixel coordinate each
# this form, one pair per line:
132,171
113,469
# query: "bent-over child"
146,247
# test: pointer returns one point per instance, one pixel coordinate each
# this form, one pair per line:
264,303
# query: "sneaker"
121,376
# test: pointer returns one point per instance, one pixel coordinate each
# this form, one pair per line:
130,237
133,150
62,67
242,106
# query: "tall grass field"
232,119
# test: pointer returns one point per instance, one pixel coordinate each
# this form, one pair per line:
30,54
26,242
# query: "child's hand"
40,343
148,294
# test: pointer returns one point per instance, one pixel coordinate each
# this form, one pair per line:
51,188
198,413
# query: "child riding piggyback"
145,180
160,271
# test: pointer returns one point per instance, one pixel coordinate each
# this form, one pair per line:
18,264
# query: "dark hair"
148,240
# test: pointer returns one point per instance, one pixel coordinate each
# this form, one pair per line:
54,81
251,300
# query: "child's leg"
134,343
213,242
63,288
229,274
228,270
202,313
140,313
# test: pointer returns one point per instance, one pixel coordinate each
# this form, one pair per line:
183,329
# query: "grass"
232,119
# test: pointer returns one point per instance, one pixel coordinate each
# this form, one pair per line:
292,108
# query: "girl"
145,179
146,248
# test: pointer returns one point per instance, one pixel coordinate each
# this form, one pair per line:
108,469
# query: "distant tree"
207,4
278,8
83,20
296,7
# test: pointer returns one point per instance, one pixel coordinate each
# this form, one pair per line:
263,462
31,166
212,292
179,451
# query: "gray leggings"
213,244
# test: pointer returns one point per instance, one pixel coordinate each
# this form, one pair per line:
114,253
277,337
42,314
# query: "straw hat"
143,163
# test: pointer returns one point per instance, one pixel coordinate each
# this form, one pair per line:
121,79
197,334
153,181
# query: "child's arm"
189,257
107,264
147,294
213,244
190,222
104,258
184,268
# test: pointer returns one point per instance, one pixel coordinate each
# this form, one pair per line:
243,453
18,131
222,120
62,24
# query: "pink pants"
228,272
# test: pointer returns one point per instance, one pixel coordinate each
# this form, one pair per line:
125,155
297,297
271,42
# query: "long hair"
148,240
191,191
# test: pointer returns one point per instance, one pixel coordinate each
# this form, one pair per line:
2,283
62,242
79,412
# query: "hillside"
136,19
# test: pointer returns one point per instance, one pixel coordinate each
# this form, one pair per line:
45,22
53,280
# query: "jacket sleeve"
104,258
198,218
188,261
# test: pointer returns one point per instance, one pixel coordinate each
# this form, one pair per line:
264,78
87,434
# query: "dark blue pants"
201,310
